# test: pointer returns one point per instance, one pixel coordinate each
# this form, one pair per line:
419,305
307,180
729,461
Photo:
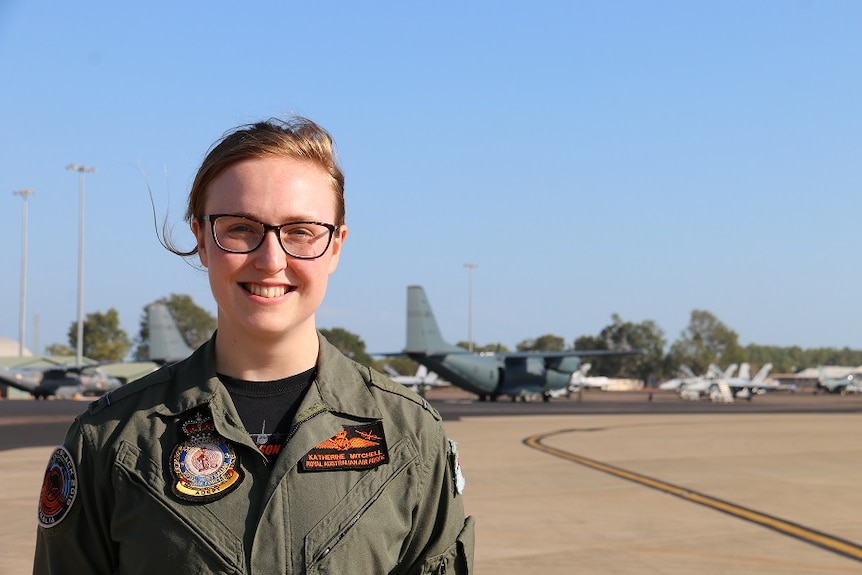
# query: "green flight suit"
119,512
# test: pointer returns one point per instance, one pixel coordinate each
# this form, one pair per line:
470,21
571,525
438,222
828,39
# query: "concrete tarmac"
604,493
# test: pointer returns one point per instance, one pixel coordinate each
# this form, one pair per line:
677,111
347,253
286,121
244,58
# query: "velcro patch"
356,447
58,488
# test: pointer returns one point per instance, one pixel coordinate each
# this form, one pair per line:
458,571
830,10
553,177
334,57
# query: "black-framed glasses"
242,235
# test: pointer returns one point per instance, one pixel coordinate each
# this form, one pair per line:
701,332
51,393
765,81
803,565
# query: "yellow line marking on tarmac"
818,538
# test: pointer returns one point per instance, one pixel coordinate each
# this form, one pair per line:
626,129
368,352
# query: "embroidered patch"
204,464
355,447
455,461
58,488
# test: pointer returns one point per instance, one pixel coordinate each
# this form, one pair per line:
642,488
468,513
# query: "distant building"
9,348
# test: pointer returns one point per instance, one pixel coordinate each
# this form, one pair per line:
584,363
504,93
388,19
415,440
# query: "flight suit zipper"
341,534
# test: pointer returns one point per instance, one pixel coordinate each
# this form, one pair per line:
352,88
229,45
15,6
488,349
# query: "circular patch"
205,468
58,488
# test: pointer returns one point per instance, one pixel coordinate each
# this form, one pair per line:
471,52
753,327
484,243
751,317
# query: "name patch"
356,447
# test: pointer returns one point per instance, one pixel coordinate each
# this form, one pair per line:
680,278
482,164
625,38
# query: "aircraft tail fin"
686,371
166,343
760,377
714,372
423,334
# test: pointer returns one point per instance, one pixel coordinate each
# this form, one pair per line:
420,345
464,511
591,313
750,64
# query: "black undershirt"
267,408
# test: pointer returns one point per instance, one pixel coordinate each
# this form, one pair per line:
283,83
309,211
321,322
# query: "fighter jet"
420,382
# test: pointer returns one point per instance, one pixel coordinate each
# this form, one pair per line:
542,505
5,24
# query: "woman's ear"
335,249
199,231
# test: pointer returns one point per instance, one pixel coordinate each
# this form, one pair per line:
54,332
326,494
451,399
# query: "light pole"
470,268
81,169
23,314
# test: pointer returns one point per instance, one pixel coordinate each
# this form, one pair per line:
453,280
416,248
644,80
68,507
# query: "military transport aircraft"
60,381
166,345
519,375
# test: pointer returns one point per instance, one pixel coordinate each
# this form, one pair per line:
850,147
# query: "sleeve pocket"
456,559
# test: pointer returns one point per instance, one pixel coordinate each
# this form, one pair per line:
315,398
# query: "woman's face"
268,294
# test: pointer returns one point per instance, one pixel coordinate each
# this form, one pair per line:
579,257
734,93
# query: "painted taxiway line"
818,538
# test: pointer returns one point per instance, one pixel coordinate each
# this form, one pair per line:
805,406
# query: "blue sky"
644,158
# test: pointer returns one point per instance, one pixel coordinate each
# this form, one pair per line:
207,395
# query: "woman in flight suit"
267,450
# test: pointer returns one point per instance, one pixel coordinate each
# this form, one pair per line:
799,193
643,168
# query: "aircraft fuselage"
492,376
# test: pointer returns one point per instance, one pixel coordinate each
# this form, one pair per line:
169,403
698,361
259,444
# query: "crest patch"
204,464
58,488
355,447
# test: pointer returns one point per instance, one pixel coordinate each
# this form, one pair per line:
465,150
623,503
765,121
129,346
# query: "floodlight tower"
23,312
470,268
81,169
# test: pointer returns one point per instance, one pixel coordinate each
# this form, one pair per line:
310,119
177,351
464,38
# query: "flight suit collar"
341,385
196,384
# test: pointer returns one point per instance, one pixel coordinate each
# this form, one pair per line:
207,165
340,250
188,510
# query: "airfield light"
81,169
21,320
470,268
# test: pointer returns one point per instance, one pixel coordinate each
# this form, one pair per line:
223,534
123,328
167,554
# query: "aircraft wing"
571,353
18,381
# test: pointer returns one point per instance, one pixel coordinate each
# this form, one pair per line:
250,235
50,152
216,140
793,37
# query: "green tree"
61,348
196,324
627,336
489,348
348,343
706,340
546,342
104,339
403,365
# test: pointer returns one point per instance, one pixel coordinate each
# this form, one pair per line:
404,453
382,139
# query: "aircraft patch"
355,447
204,463
457,474
59,488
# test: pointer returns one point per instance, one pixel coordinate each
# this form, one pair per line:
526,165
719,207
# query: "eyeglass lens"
242,235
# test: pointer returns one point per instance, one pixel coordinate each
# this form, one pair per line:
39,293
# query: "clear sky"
644,158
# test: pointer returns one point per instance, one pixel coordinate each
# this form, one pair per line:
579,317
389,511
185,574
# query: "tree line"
705,340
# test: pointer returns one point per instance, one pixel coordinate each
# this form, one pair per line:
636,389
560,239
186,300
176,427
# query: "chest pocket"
156,533
366,529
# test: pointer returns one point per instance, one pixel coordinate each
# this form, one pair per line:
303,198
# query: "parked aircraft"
60,381
165,345
420,382
846,384
685,376
721,386
687,380
713,385
578,382
520,375
580,379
